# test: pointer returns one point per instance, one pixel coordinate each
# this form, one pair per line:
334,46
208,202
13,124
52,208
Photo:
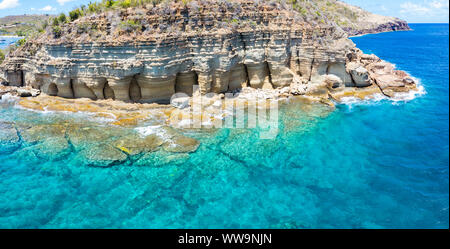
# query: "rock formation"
147,54
356,21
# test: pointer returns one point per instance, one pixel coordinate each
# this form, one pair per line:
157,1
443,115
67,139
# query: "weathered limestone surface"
359,74
185,82
64,86
270,46
96,85
238,77
156,89
81,89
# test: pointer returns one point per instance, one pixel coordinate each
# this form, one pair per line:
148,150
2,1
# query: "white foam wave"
373,99
9,100
157,130
408,96
377,97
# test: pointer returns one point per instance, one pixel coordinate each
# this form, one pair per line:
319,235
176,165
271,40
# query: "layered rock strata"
217,46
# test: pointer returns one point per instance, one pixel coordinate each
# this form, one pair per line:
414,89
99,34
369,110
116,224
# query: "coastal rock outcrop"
215,46
357,21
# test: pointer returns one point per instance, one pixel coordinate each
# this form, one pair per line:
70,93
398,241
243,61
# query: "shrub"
93,7
2,56
21,42
125,3
109,3
62,18
45,25
55,22
130,25
20,33
56,31
75,14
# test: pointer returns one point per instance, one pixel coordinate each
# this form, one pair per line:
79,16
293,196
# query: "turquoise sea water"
369,165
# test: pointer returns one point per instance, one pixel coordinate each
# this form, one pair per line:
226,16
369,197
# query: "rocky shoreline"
370,23
269,46
263,54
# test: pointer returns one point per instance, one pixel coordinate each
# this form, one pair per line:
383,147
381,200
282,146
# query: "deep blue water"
368,165
5,41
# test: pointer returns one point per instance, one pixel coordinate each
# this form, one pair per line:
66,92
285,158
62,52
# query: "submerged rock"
161,158
39,133
52,148
9,140
135,144
181,144
102,155
245,145
81,137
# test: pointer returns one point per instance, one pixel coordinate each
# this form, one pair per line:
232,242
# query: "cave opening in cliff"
108,92
52,89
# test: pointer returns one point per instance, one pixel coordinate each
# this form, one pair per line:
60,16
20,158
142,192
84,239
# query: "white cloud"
441,4
413,8
48,8
62,2
7,4
436,4
434,7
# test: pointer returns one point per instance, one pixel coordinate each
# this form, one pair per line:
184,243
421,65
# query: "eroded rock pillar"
121,87
185,83
281,75
96,85
258,75
64,86
205,82
338,69
14,78
304,68
80,89
156,89
220,82
359,74
238,77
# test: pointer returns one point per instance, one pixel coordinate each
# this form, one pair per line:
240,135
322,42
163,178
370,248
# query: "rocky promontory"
356,21
146,52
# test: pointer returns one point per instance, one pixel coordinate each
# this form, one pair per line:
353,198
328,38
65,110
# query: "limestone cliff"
148,53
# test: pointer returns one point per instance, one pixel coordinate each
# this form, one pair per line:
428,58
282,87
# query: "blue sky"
413,11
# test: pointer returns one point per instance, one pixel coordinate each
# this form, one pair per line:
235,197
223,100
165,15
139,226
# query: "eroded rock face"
260,44
360,75
364,22
19,91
